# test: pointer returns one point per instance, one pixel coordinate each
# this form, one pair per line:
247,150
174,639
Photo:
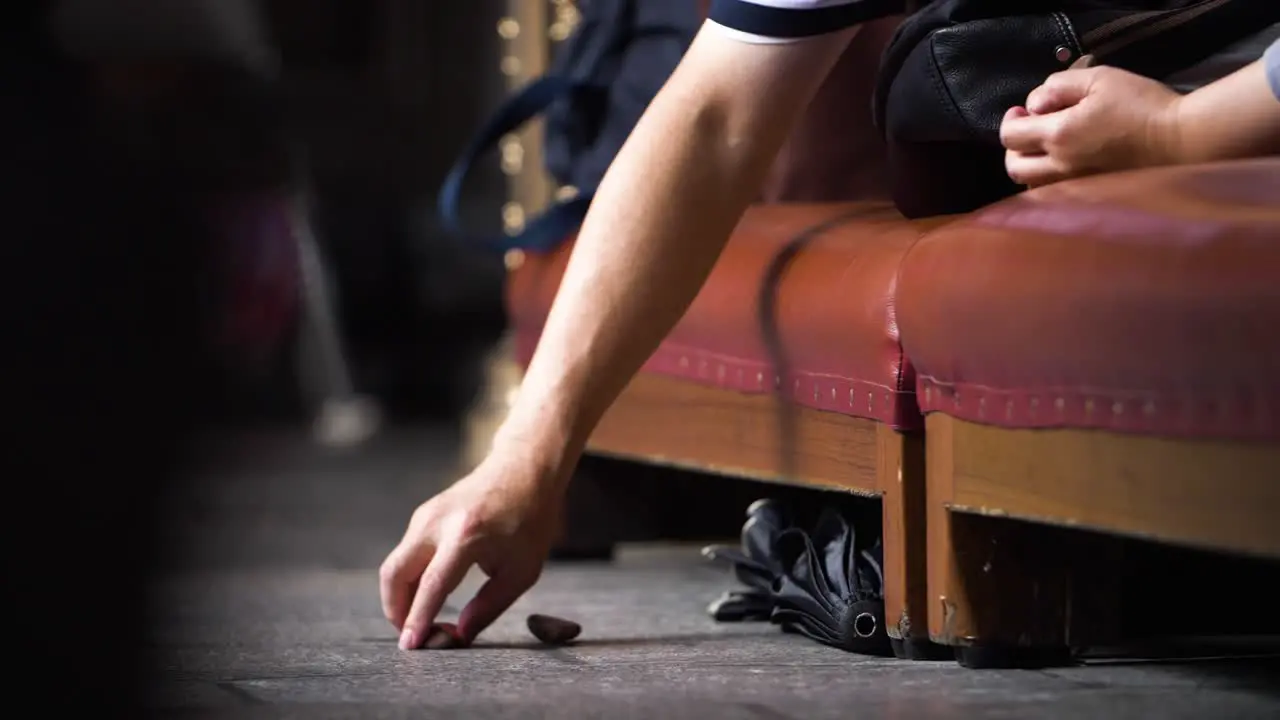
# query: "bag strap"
549,229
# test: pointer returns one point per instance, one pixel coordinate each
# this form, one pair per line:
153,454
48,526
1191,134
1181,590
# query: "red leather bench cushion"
1141,302
835,310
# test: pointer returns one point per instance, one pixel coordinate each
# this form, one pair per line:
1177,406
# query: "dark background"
383,95
108,371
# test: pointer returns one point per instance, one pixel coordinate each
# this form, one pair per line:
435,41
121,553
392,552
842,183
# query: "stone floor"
273,612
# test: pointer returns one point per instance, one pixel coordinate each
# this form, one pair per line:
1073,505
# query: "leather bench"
1088,356
1093,355
1099,354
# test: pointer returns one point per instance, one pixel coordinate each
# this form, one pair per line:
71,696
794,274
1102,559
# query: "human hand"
503,517
1086,121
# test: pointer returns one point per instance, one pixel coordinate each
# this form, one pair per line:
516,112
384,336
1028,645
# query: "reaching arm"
657,225
1235,117
659,221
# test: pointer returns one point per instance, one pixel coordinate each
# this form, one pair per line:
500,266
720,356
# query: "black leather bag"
955,67
810,573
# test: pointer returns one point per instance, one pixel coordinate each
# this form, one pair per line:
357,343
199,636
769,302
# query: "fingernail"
409,640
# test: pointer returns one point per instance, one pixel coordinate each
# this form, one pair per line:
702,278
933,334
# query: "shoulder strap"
599,30
562,219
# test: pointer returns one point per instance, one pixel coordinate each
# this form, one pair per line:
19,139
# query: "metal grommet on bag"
1063,54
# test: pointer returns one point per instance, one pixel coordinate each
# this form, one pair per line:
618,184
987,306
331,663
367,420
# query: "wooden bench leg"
900,470
1005,593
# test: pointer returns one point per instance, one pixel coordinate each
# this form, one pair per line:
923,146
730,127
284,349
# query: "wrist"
1167,136
542,443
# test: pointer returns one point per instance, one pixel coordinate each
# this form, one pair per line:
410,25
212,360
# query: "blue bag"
600,82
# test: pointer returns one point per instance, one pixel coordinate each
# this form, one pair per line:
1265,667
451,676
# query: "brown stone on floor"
553,630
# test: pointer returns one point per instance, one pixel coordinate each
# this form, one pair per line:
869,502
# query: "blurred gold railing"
529,31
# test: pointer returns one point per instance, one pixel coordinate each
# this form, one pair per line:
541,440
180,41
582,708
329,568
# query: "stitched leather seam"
669,348
940,87
1144,412
1068,31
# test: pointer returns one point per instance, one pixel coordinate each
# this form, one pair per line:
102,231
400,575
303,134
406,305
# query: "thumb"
494,598
1060,91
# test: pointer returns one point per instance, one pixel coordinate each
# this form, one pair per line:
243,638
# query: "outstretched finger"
398,581
442,576
494,598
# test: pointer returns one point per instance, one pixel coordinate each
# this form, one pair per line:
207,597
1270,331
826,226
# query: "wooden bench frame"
987,590
1029,591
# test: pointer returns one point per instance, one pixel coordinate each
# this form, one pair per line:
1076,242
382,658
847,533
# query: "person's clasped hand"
501,518
1086,121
